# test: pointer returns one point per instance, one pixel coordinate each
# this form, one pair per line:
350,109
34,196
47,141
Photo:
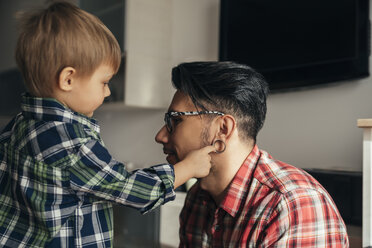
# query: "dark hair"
228,87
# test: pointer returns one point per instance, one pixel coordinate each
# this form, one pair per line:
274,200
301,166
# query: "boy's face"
90,92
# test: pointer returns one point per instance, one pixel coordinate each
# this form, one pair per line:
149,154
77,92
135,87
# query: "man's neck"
224,168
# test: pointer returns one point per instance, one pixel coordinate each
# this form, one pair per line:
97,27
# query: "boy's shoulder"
54,133
46,140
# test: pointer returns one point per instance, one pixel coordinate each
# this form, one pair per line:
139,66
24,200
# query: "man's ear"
66,78
227,125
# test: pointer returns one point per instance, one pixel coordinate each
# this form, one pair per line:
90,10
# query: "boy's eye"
106,83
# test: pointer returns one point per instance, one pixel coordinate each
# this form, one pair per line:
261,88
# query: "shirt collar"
240,184
50,109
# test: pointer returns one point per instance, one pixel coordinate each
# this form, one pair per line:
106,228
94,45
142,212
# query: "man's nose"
162,136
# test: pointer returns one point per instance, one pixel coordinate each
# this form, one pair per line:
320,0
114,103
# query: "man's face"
188,132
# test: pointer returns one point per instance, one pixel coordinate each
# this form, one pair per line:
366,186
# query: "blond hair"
59,36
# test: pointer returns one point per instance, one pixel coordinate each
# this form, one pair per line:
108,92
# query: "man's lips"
172,156
168,151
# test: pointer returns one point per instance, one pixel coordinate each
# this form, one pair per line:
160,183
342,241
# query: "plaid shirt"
268,204
58,181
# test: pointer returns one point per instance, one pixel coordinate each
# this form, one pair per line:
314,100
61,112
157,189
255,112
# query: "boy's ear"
66,78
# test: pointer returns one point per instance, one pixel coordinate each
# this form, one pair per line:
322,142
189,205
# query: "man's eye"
176,120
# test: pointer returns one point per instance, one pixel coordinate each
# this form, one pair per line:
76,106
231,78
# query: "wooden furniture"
366,124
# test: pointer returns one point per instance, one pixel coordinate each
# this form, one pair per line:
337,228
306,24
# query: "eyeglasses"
169,115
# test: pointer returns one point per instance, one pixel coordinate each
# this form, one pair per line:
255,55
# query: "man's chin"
172,159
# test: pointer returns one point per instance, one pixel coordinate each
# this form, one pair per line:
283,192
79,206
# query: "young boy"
57,180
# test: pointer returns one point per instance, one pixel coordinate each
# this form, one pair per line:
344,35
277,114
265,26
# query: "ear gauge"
219,146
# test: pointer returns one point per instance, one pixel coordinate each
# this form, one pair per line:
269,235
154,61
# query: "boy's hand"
197,164
199,161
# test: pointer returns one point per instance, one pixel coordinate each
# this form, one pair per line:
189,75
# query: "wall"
8,27
130,134
316,128
308,128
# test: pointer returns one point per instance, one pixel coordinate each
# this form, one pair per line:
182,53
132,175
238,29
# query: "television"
297,43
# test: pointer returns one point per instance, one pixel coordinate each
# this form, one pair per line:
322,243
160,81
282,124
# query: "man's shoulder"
291,186
283,177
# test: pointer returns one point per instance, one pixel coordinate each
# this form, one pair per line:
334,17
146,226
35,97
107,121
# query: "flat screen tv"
297,43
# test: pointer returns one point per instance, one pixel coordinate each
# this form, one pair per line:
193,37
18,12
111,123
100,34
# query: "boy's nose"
162,136
107,92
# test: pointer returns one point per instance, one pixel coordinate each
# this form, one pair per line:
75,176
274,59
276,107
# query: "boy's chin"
90,115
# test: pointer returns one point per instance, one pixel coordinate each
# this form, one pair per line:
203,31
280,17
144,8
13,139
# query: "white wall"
308,128
317,128
130,134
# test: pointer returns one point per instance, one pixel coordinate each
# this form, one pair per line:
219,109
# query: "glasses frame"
168,116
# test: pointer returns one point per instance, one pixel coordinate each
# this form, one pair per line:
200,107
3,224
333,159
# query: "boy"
57,180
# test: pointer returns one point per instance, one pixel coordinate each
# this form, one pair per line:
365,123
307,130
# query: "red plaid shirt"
268,204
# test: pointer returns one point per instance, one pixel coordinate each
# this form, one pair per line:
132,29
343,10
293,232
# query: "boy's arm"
95,173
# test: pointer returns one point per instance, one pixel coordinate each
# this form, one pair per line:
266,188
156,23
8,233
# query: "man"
248,199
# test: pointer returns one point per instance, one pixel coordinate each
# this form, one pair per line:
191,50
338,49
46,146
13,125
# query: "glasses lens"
168,122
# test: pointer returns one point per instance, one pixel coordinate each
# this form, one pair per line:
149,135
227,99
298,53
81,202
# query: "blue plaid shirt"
58,181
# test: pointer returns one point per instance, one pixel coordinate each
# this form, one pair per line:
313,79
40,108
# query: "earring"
216,150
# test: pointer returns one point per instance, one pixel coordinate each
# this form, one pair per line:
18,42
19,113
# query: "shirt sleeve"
305,218
95,173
